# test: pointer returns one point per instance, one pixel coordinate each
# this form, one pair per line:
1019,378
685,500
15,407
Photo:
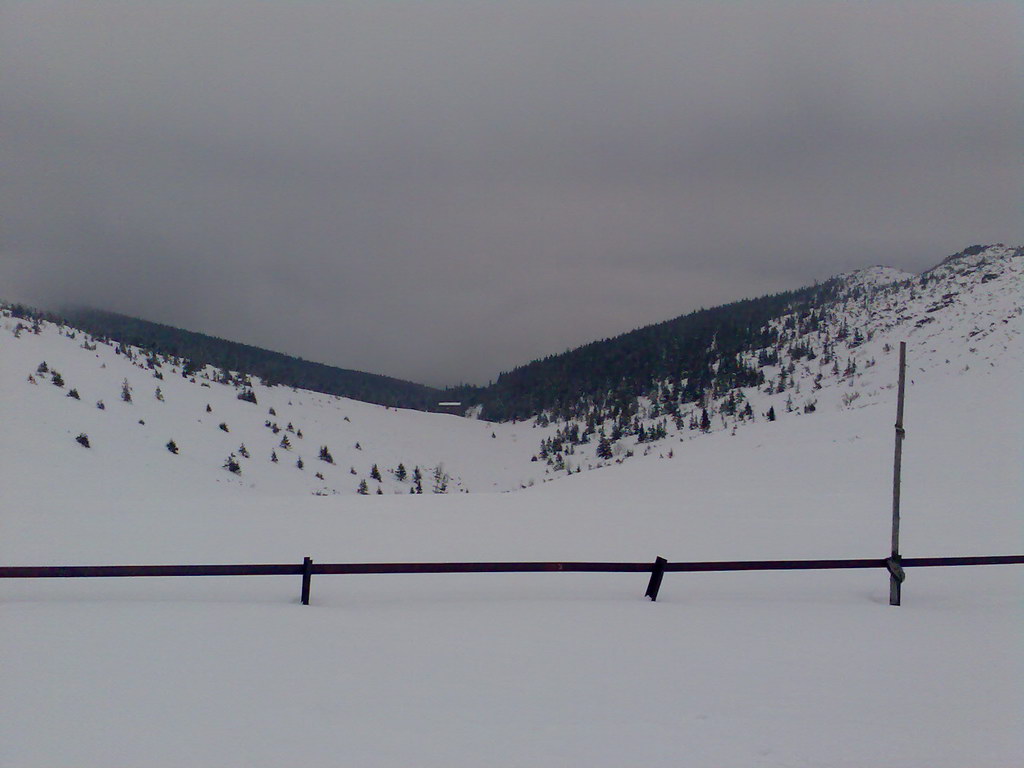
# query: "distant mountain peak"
874,276
976,255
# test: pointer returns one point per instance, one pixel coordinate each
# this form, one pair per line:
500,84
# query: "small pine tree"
604,448
224,427
172,447
363,490
273,456
101,405
126,391
771,414
243,451
705,421
299,463
208,408
83,440
73,393
400,473
375,473
159,395
57,379
440,480
231,465
325,455
42,368
285,443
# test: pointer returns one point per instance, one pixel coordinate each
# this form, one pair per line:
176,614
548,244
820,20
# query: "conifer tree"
172,447
375,473
705,421
440,480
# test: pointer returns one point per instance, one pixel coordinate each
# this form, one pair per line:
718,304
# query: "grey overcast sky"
440,191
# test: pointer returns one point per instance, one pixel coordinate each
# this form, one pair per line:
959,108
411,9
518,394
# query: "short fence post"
307,576
657,573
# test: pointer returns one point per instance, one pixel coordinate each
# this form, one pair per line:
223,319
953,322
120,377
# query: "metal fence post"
895,572
657,573
307,577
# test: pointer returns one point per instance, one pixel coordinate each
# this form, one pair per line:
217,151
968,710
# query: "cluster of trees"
692,357
693,372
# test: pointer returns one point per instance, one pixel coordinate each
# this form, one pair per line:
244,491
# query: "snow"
874,276
726,669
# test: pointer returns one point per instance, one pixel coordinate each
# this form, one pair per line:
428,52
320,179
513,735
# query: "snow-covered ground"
726,669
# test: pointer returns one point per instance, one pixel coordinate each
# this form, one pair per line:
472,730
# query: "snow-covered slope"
962,314
741,669
726,669
130,439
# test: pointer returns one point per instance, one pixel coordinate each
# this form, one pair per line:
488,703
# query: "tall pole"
895,571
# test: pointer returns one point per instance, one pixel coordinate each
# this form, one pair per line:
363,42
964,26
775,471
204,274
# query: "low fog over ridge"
443,192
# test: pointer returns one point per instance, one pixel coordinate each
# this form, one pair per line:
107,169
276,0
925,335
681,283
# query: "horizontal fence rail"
657,569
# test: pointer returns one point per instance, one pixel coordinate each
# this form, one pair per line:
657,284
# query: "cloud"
443,191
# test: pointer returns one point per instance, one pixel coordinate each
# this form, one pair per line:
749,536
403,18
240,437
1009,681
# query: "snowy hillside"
208,423
726,669
963,313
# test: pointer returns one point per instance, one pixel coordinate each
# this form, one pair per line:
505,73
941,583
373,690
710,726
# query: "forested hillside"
702,356
694,352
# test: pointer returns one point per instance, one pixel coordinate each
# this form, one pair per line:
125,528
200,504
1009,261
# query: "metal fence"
307,568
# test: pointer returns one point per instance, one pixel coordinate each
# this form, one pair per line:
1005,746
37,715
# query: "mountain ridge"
833,355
